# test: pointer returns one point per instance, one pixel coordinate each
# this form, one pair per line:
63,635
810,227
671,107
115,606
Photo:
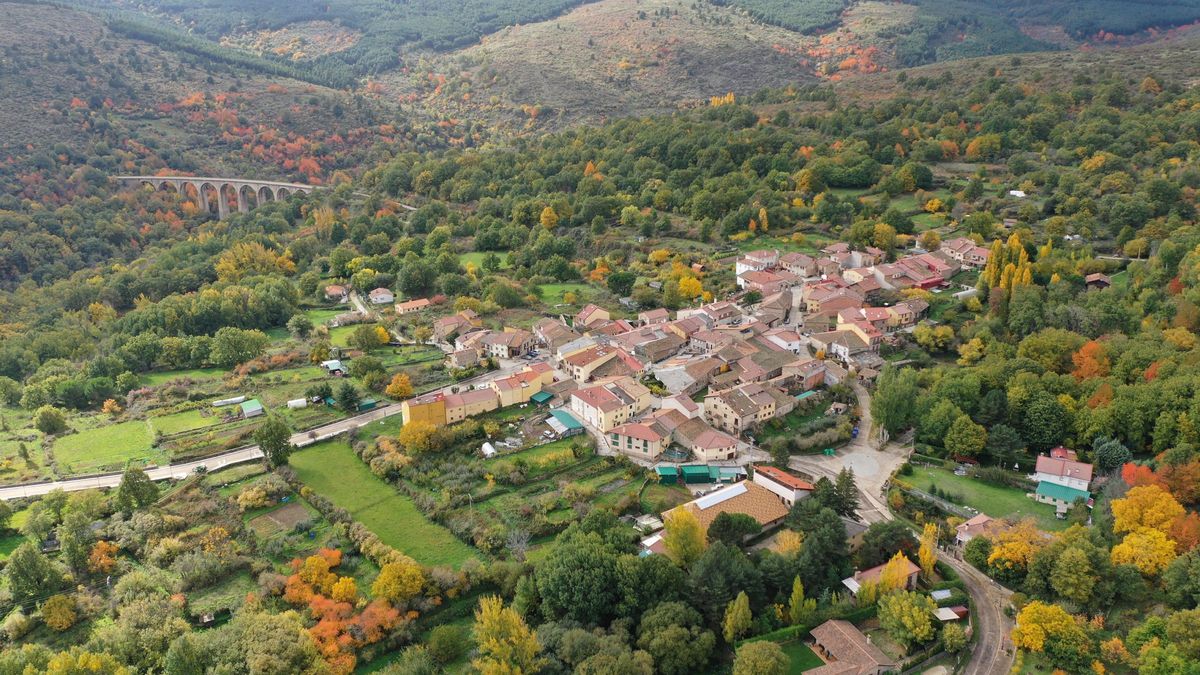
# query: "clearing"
333,470
106,447
994,500
281,519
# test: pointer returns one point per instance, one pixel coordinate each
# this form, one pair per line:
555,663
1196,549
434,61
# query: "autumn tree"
908,617
737,618
761,657
248,259
400,387
548,219
800,609
1147,549
1146,506
417,436
399,582
1043,627
1090,361
111,408
927,553
684,537
506,645
1012,549
59,612
102,558
345,589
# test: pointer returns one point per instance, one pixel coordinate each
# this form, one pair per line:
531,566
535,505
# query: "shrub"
446,644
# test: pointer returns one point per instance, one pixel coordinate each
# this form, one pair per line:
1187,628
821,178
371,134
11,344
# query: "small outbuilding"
488,450
251,408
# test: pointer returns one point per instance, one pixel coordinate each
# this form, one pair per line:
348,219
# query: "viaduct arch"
229,192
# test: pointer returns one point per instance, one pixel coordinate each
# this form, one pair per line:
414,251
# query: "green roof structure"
251,408
667,475
696,473
542,397
567,420
1061,493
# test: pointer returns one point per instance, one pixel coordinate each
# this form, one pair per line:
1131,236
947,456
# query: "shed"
696,473
571,425
726,474
298,403
228,401
488,450
333,366
251,408
667,475
367,404
946,614
542,397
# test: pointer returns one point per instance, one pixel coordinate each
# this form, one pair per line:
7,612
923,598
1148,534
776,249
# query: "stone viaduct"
226,192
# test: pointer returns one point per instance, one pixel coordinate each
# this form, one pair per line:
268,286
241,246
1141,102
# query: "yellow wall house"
430,408
519,387
468,404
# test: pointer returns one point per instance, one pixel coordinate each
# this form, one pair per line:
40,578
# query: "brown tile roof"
1065,468
782,477
848,646
745,497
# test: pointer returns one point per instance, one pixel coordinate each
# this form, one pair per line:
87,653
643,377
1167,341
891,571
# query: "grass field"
476,258
184,421
230,593
802,657
9,543
333,470
104,447
552,294
996,501
164,376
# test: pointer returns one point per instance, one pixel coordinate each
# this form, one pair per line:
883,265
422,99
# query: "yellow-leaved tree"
416,435
1145,506
399,582
507,646
1040,623
548,219
1145,548
683,536
927,554
400,387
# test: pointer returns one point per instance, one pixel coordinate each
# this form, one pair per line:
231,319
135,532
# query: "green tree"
274,438
31,575
893,406
232,346
75,538
621,283
965,437
185,656
365,337
761,658
1074,578
674,635
348,397
737,618
732,528
300,326
50,420
578,580
5,515
883,540
846,491
136,490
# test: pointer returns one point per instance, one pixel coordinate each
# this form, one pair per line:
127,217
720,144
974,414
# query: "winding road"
993,651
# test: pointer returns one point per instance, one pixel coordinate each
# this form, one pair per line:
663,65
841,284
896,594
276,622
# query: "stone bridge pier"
228,193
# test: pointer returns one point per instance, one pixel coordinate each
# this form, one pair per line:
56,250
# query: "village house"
520,387
766,282
609,404
805,374
462,358
554,333
743,407
704,442
337,293
591,315
1097,280
448,327
966,252
429,408
585,364
644,440
846,651
1062,480
789,488
756,261
411,306
799,264
842,345
872,575
972,528
786,338
511,344
654,316
684,405
470,403
381,296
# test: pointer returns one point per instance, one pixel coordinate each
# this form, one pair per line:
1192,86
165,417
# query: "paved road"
236,456
993,651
